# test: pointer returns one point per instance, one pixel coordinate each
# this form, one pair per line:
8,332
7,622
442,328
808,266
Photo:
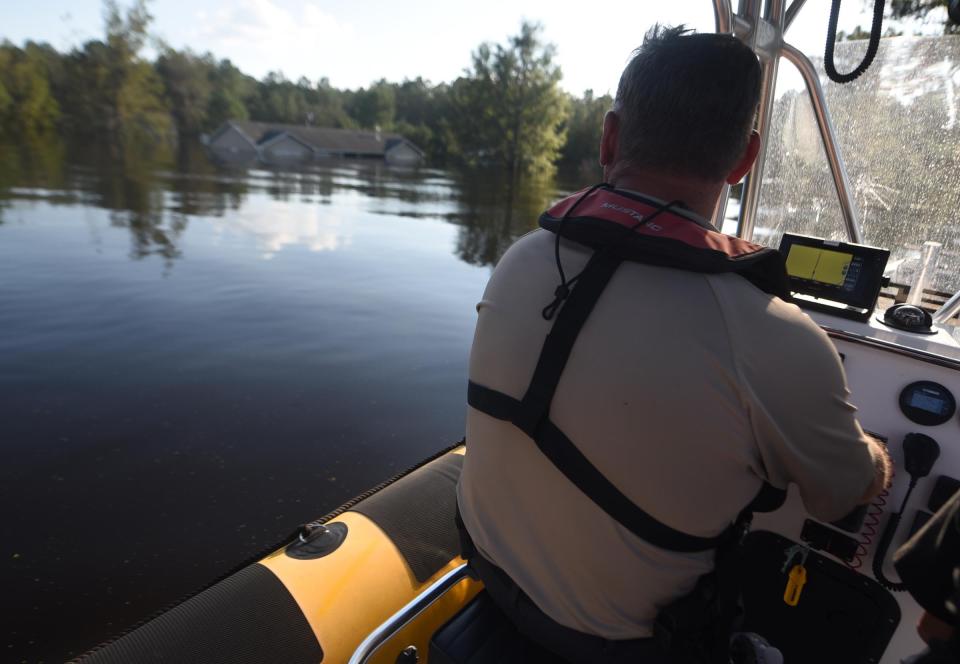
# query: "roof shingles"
323,139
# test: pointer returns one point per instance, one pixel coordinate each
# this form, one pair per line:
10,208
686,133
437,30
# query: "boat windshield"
899,132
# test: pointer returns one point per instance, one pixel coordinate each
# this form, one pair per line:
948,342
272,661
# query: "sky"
355,42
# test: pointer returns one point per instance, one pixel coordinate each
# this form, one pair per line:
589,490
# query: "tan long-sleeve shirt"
687,391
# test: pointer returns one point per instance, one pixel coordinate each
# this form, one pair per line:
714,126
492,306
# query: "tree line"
506,110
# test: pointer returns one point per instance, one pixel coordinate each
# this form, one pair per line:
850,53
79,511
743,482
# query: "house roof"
393,142
276,136
350,141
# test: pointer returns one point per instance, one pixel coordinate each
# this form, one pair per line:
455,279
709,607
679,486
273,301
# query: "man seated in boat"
606,461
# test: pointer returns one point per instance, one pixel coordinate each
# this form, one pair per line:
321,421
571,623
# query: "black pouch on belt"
696,628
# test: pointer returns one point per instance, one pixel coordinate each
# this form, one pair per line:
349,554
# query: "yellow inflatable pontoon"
371,582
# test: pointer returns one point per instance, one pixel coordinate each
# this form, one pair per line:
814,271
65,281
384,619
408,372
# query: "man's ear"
746,162
609,139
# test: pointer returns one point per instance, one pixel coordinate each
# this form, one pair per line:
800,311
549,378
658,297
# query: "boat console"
905,381
905,387
901,358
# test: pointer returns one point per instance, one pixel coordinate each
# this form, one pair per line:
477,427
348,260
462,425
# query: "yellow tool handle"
795,583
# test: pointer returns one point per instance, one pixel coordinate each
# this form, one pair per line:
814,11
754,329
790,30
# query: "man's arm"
803,424
882,467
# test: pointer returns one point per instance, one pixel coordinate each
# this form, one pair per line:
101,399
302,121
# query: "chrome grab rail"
949,309
414,608
841,181
765,36
722,14
792,12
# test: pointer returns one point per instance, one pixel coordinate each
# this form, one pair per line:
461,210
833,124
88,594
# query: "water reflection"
148,350
493,212
37,162
153,195
277,227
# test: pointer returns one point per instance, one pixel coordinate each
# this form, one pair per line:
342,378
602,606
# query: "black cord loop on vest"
562,291
828,63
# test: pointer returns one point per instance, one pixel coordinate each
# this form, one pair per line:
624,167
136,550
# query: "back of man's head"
686,104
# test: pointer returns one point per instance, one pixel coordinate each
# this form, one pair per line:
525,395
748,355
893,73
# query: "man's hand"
930,628
883,470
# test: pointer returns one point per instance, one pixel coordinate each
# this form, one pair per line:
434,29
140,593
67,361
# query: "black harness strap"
565,456
535,407
531,415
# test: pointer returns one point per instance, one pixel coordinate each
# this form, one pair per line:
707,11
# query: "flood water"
195,358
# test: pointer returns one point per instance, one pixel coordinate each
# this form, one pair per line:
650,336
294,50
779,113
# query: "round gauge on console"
927,403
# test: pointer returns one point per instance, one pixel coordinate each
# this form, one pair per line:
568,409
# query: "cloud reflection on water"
275,227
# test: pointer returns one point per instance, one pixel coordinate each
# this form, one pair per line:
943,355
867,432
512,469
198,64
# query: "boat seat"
481,634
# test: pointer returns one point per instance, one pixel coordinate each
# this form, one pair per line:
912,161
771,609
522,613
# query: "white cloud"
260,36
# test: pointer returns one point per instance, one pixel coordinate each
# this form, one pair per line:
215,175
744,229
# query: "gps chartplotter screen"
823,265
838,272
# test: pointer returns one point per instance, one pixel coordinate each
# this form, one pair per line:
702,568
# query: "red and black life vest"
621,226
616,221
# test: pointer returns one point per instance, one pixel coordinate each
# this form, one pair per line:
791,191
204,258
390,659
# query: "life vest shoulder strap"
688,246
615,220
531,415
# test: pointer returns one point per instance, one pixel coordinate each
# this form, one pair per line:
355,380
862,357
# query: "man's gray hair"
687,103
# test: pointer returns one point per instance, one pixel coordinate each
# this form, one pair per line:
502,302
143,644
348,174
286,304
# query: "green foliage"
112,92
126,33
132,85
373,107
506,111
188,84
26,103
509,108
6,100
141,112
278,99
584,126
232,91
423,114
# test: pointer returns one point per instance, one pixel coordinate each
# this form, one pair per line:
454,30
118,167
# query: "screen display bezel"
873,262
929,390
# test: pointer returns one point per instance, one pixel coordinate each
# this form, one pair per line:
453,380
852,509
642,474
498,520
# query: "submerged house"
284,143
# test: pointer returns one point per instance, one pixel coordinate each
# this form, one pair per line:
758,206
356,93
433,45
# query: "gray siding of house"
244,140
232,142
286,149
403,154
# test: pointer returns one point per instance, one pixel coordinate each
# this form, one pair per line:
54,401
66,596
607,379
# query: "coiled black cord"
883,546
828,63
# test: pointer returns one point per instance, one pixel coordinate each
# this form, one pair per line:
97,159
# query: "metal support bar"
765,37
828,134
751,187
929,260
792,12
720,210
414,608
949,309
721,14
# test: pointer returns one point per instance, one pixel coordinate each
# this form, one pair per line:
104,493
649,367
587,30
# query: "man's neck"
700,197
